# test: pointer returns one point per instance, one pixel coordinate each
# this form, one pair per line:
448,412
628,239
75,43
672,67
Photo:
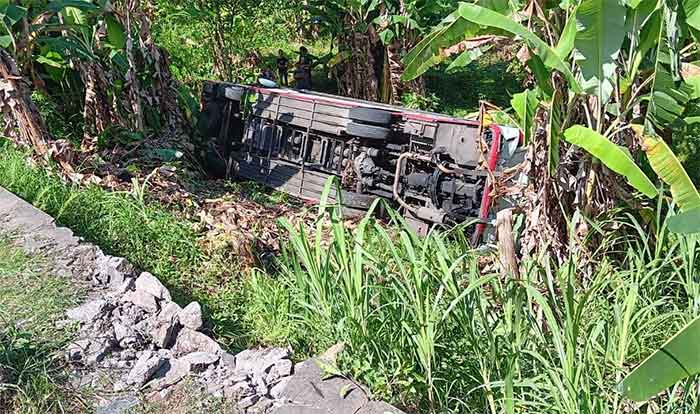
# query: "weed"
32,372
426,327
150,237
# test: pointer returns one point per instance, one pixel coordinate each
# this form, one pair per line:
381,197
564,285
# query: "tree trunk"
134,87
18,107
97,111
21,115
357,77
506,243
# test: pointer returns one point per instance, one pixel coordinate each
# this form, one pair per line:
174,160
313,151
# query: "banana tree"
596,66
94,59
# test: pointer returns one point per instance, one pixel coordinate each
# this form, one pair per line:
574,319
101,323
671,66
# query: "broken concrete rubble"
131,331
191,316
148,283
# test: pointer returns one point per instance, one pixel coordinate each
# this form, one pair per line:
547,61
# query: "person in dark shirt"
282,65
302,75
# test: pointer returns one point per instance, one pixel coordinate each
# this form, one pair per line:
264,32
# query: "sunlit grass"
32,299
430,330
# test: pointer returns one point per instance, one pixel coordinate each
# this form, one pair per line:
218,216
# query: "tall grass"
150,237
430,328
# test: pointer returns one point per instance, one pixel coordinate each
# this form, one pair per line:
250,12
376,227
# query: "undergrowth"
33,377
429,329
150,237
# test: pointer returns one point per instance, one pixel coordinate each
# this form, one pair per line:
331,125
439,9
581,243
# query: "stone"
148,283
111,270
200,361
119,386
228,360
248,401
147,364
162,330
131,314
121,405
189,341
170,373
282,368
277,389
260,385
191,316
260,407
125,286
236,379
259,360
169,311
142,299
89,311
330,356
309,387
379,407
98,350
77,350
121,331
239,390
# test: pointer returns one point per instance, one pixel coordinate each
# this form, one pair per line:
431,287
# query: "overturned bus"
434,167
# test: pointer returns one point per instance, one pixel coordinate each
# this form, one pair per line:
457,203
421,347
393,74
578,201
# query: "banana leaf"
525,104
670,170
550,58
685,223
668,96
426,54
601,30
613,156
568,36
677,359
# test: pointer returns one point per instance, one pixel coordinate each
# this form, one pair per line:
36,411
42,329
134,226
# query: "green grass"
150,237
428,329
32,372
488,78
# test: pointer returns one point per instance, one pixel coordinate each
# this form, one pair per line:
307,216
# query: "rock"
200,361
121,331
191,316
260,386
122,405
236,379
126,286
259,360
248,401
277,389
379,407
228,360
111,270
148,283
98,350
89,311
309,387
147,364
142,299
131,314
119,386
189,341
330,356
170,373
77,350
260,407
162,327
281,369
170,311
239,390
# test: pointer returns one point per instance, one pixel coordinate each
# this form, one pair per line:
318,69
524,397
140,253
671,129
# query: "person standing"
282,66
302,75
